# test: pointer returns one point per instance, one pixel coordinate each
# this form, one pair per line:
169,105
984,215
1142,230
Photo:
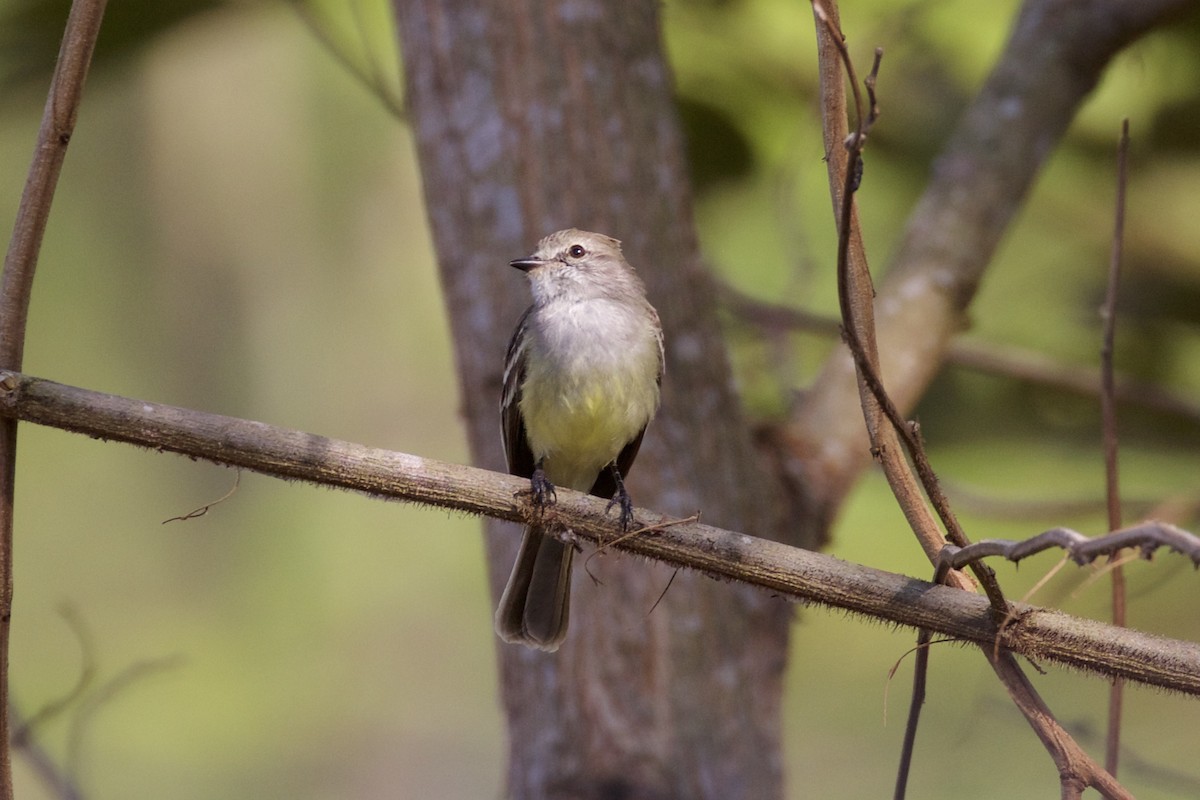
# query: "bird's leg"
620,498
541,488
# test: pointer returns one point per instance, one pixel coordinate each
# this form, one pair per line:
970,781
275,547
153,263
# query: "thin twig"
852,302
204,509
1108,315
855,289
866,361
978,182
855,300
917,700
16,286
1108,415
1076,768
856,304
1147,536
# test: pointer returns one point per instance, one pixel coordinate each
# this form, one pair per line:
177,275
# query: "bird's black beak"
526,264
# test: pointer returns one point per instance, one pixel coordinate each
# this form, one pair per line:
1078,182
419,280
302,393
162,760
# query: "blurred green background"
239,229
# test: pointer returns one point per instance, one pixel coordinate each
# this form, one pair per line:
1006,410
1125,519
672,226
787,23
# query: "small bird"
581,383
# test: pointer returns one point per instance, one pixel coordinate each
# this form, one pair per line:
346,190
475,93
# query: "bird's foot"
541,490
622,499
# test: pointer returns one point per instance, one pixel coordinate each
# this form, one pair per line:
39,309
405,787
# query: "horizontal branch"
791,572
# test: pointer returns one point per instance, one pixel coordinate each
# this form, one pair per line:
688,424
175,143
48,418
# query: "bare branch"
1108,315
1108,415
58,124
16,285
1147,536
977,185
791,572
856,298
917,699
1077,770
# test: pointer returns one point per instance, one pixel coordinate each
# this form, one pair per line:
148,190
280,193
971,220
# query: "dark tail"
536,602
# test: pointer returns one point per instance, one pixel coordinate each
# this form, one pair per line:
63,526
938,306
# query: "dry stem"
20,262
727,555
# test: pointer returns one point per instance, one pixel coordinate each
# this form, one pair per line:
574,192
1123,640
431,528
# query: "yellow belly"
580,426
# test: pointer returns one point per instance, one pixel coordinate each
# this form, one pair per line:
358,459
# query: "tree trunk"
528,118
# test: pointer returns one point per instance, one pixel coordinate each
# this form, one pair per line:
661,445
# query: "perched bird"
581,382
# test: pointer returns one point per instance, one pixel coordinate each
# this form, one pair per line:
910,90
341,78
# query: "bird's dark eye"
577,251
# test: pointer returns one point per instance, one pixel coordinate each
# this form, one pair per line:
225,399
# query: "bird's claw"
541,489
622,499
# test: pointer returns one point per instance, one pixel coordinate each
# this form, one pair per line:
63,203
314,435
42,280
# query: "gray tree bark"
528,118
